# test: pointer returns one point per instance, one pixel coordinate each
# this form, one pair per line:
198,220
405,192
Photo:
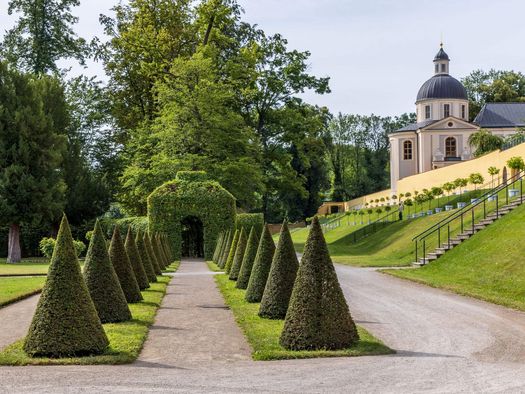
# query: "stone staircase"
467,233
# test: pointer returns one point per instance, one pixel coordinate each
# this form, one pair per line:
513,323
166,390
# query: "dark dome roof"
442,86
441,55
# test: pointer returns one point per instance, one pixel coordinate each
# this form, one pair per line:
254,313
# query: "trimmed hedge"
281,278
261,267
249,220
239,255
136,262
191,194
318,316
248,259
102,281
145,259
231,252
120,260
65,323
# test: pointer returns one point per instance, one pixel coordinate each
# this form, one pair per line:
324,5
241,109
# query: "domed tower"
439,137
442,95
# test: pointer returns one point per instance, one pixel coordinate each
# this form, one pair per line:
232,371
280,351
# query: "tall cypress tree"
281,278
261,267
102,281
31,187
136,262
318,316
120,260
239,255
231,252
144,258
65,322
248,259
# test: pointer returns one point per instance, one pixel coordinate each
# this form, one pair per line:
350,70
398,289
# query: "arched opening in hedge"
192,237
177,207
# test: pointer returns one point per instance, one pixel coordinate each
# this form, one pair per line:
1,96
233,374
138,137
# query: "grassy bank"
126,339
32,266
263,334
489,266
16,289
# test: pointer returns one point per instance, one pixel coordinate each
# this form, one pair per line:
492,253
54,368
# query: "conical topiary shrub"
151,254
231,252
278,290
261,267
102,281
318,316
218,247
144,258
248,259
65,322
168,249
227,248
227,240
120,260
239,254
155,247
136,263
162,247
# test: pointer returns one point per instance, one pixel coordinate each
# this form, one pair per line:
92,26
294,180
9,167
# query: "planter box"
462,205
491,198
514,192
449,207
438,210
430,212
474,200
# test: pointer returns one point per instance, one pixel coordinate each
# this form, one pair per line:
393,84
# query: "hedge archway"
191,196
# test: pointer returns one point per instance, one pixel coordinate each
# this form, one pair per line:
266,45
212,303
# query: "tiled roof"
494,115
416,126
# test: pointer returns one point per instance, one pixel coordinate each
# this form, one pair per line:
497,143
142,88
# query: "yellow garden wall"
440,176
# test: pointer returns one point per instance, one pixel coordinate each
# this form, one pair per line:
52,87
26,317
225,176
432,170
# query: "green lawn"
15,289
126,339
489,266
263,334
32,266
213,267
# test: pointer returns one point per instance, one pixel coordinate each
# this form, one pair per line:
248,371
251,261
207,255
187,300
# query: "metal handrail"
422,238
469,204
373,225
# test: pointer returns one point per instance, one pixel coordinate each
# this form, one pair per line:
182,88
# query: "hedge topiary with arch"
191,193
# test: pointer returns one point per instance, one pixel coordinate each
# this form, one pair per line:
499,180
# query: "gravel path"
445,343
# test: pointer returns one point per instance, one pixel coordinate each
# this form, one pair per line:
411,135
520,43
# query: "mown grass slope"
489,266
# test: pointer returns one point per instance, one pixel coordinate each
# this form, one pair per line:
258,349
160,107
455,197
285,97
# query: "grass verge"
213,267
263,334
126,339
33,266
489,266
16,289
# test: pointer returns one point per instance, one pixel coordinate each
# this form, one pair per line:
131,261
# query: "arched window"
407,150
451,147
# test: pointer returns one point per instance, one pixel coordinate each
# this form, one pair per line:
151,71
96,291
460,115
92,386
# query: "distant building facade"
439,137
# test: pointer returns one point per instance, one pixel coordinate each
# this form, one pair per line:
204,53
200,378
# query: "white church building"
440,135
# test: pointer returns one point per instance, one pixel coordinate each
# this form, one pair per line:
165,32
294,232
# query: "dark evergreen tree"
248,259
120,260
65,323
102,281
144,258
239,255
281,278
318,316
261,267
152,256
136,262
231,252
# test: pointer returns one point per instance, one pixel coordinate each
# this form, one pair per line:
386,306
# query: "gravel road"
445,343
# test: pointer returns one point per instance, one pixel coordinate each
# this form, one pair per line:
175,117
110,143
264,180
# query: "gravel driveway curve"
445,343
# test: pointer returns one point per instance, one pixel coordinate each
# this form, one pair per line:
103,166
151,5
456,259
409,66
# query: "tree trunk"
14,255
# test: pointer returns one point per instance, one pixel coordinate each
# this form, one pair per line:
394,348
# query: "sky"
376,52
